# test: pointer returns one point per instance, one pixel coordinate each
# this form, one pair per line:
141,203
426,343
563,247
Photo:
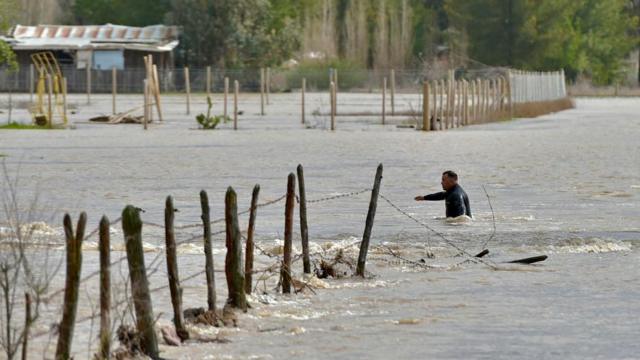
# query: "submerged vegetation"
17,126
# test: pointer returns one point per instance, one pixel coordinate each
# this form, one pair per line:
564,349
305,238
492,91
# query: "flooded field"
565,185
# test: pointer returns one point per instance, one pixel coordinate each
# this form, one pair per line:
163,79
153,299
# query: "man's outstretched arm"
432,197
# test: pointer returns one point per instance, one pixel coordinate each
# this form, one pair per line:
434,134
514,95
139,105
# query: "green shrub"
208,122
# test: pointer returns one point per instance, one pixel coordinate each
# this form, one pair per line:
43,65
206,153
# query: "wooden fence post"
426,126
285,271
226,96
233,261
31,82
208,82
49,101
114,90
393,92
27,325
187,87
105,289
236,90
172,269
384,99
72,284
132,228
304,229
434,118
262,88
304,89
248,263
147,110
88,84
332,89
268,84
208,253
364,246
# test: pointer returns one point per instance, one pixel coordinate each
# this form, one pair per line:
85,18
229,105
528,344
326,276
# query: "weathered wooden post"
172,269
105,289
262,88
147,110
304,229
114,84
384,99
72,284
233,261
285,270
332,89
208,82
132,228
50,101
226,96
208,252
31,82
88,83
434,118
187,88
268,84
248,263
156,90
236,91
27,325
364,246
465,102
393,92
426,126
304,90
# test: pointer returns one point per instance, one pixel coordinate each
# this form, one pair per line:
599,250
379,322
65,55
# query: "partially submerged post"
285,270
332,89
393,92
88,67
31,82
208,252
262,88
248,263
72,284
434,118
268,85
226,97
147,109
49,101
384,99
114,85
364,246
187,88
27,325
172,269
236,90
105,289
233,261
208,82
132,228
426,126
304,89
304,229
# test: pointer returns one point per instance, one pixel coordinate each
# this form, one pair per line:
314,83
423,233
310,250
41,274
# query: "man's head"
449,180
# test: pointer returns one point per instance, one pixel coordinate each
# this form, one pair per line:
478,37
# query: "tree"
121,12
8,11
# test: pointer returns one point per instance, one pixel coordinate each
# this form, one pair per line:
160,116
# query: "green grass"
17,126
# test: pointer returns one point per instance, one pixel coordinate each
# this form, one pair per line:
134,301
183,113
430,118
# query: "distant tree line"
591,38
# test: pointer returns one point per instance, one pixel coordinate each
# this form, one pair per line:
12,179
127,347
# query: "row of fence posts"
239,277
452,103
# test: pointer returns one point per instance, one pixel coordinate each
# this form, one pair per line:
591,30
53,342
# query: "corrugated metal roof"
152,38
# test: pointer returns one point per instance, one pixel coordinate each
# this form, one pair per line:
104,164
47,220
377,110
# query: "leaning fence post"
132,228
72,284
304,229
364,246
285,272
105,289
172,269
248,264
233,261
208,253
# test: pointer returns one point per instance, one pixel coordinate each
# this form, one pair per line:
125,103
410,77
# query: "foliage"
8,11
209,122
17,126
125,12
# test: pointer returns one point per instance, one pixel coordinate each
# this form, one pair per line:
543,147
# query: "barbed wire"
334,197
440,235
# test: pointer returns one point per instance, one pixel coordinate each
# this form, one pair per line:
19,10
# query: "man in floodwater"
455,199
